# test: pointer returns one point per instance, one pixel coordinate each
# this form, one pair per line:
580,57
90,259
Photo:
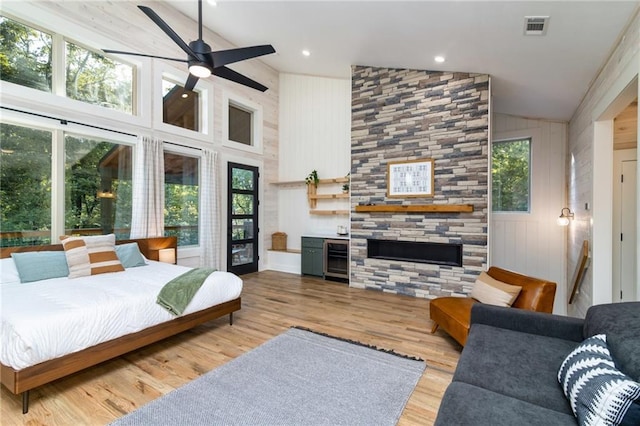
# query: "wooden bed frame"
21,381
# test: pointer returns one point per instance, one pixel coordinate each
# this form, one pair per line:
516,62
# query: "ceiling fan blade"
230,74
142,54
225,57
191,82
167,29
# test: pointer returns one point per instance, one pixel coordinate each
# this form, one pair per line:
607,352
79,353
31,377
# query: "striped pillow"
91,255
488,290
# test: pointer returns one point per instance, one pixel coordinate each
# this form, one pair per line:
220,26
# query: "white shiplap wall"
315,132
532,243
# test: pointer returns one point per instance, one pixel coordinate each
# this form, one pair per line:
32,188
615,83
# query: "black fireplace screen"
416,251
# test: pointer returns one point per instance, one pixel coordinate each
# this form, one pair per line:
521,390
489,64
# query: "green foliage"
25,183
510,175
181,212
312,178
25,55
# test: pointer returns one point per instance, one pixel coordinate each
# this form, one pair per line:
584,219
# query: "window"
25,55
180,106
97,187
25,186
240,125
181,197
95,79
26,59
510,175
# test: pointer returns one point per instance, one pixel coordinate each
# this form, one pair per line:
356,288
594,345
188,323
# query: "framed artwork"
412,178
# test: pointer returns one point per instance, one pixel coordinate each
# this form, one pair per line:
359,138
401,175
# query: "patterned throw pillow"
488,290
91,255
598,392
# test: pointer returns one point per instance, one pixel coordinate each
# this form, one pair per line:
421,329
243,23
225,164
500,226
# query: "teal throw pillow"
40,265
129,255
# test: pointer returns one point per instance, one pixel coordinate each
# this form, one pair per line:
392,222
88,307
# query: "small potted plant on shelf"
345,187
312,178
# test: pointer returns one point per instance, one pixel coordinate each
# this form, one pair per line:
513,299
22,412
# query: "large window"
26,59
25,186
97,187
181,197
95,79
25,55
510,175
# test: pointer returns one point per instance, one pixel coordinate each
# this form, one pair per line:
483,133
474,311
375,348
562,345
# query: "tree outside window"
181,198
510,175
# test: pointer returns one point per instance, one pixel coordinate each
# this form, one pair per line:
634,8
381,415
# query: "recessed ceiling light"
212,2
305,52
439,59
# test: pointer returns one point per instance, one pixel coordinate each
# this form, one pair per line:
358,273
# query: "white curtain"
209,211
147,212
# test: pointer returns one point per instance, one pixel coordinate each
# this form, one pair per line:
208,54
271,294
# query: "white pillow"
493,292
8,272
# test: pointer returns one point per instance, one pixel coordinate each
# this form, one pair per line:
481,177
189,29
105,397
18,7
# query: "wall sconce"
167,255
565,216
107,193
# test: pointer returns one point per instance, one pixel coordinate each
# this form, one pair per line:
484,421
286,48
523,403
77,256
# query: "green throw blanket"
176,295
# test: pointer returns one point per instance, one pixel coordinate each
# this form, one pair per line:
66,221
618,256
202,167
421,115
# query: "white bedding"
46,319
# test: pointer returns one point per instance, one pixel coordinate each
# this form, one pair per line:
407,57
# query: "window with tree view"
98,80
510,175
97,187
25,186
25,55
181,198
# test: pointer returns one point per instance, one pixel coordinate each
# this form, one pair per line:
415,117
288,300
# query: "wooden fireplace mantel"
415,208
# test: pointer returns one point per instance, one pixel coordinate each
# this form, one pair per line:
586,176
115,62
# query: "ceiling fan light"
200,71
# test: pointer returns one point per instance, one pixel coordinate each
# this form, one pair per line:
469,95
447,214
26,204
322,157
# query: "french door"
242,218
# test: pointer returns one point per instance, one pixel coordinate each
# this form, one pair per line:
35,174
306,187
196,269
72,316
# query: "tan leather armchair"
453,314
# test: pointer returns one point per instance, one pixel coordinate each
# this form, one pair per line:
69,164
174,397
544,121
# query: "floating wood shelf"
416,208
329,212
328,196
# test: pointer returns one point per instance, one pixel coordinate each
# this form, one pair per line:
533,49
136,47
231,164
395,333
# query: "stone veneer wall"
400,114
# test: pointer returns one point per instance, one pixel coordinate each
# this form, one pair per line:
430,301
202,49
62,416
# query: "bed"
110,314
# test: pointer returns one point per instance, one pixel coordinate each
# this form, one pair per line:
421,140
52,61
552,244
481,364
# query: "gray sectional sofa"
507,373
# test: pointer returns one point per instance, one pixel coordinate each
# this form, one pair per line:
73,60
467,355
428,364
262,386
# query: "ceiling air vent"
536,25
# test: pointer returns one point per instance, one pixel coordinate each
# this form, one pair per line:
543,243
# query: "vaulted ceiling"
533,76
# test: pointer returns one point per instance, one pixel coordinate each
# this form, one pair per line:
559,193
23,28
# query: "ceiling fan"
202,61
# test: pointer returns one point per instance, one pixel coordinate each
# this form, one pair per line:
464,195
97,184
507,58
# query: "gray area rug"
296,378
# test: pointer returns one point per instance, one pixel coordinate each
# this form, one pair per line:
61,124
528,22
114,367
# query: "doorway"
242,218
624,225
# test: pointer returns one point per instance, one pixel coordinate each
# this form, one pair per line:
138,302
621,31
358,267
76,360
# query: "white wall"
315,134
532,243
590,167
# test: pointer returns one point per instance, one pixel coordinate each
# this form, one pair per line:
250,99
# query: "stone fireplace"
405,115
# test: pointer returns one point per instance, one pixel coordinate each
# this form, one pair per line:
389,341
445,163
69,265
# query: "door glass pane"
98,80
242,204
242,179
25,55
181,198
25,186
97,187
242,229
241,254
180,106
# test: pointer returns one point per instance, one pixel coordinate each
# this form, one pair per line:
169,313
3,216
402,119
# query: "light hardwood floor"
271,303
